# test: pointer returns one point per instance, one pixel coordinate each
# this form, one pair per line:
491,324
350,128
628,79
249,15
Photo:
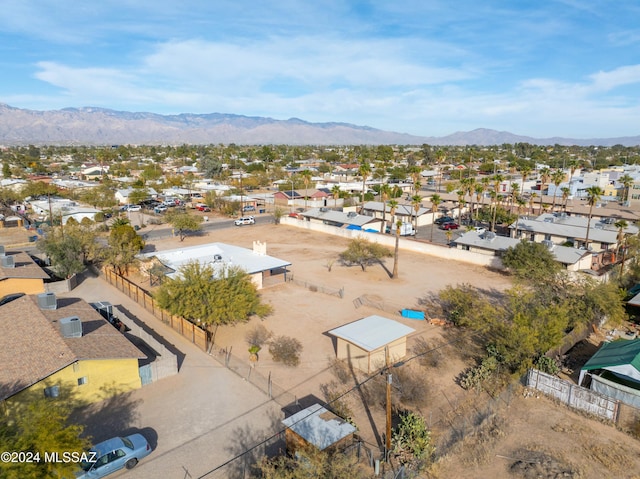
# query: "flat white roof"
218,255
372,332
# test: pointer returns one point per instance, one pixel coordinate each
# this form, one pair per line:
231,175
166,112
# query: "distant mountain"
99,126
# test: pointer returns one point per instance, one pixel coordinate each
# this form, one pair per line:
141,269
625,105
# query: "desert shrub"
335,401
547,365
340,370
429,354
286,350
474,377
410,386
412,441
257,336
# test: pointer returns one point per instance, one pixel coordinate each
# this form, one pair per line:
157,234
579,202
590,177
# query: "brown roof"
32,347
25,267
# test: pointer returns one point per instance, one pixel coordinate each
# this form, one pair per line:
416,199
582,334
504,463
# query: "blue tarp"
354,227
412,314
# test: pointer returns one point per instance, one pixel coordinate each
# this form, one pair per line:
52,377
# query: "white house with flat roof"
364,342
219,256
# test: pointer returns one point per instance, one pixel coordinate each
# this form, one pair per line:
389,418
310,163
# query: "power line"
349,391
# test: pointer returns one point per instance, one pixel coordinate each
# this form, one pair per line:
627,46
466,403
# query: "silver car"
114,454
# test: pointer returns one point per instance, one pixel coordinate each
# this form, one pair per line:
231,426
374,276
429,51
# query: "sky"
542,68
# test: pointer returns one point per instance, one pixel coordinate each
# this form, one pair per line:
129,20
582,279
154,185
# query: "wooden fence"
187,329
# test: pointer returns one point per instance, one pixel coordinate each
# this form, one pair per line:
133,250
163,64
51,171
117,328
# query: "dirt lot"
524,435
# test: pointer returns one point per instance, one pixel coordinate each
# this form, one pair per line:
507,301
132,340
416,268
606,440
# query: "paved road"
195,420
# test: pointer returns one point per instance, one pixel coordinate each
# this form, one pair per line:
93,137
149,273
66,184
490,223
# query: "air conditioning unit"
323,210
549,244
47,301
489,235
217,258
352,214
7,261
71,327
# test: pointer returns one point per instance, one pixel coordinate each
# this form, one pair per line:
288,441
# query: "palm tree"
557,177
573,166
480,188
521,205
621,225
626,181
416,202
393,206
461,202
532,198
565,196
435,202
306,179
364,170
545,176
396,251
385,192
335,191
515,187
525,171
593,196
468,186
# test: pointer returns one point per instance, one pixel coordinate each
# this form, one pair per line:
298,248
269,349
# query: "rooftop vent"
549,219
47,301
217,258
352,214
7,261
71,327
323,210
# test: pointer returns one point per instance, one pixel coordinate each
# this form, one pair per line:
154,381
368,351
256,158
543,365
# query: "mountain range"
100,126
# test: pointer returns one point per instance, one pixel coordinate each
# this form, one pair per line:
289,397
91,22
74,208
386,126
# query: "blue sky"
542,68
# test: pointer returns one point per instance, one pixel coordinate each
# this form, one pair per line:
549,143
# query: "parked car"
480,230
134,208
248,208
160,209
114,454
449,226
444,219
246,220
201,207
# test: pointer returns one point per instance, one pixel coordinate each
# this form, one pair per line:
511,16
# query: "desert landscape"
519,433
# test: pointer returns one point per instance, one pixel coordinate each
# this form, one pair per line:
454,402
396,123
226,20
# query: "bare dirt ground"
524,435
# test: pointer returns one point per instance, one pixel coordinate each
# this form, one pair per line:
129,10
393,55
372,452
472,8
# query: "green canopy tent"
619,366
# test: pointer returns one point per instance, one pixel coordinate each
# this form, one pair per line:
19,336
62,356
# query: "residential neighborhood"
243,310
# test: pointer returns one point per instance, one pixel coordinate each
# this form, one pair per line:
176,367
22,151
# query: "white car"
246,220
480,230
134,208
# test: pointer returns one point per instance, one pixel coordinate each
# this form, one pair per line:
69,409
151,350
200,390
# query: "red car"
449,226
204,208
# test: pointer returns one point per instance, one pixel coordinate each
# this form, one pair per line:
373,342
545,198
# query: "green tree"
66,252
593,196
138,195
626,182
545,176
6,170
364,253
184,223
210,166
41,426
364,170
385,192
531,261
435,202
202,295
416,202
124,245
557,177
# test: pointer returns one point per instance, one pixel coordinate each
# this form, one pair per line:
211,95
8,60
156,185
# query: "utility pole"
389,380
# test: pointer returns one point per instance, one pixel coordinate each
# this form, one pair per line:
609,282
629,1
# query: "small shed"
364,342
318,427
615,371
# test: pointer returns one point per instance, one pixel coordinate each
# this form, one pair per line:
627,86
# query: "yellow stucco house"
52,346
20,274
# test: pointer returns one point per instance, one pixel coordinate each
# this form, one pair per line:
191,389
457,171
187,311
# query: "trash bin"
136,227
261,211
33,239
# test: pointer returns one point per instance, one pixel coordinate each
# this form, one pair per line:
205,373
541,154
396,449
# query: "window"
547,237
52,392
82,381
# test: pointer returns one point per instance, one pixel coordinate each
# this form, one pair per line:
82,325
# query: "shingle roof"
32,347
25,267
